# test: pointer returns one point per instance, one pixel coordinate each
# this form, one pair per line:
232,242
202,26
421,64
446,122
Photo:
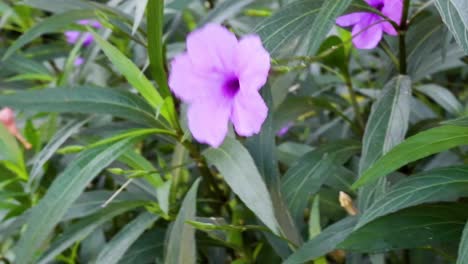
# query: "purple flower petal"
212,49
253,62
219,77
208,121
88,39
350,19
368,33
284,129
249,113
72,36
393,10
188,83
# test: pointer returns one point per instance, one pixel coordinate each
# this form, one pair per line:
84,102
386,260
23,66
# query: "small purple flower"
219,77
78,61
368,27
284,129
73,36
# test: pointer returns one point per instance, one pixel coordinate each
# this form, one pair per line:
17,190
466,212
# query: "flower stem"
402,36
352,95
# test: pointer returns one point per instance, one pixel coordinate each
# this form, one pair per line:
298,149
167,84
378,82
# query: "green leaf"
262,147
60,196
416,147
311,171
115,249
224,11
463,249
83,100
240,173
133,75
443,97
455,16
46,153
155,23
48,25
386,127
303,21
146,249
388,121
84,227
445,184
10,154
416,227
181,247
324,242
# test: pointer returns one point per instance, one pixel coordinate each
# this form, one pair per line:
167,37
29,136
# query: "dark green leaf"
416,147
113,251
240,173
61,195
311,171
416,227
463,250
323,243
83,100
84,227
181,247
455,16
445,184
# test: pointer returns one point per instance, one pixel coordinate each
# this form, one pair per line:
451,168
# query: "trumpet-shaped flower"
368,28
219,77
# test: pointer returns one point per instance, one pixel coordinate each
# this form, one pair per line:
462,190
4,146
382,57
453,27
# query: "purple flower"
284,129
368,27
73,36
78,61
219,77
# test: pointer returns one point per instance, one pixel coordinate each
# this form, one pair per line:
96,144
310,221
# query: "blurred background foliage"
113,175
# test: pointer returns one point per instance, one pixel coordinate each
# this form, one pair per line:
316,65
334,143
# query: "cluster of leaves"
114,177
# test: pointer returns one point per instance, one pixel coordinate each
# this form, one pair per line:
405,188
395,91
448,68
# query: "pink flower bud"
7,118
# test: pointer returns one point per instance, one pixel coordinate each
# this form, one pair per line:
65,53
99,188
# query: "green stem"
155,22
352,95
402,36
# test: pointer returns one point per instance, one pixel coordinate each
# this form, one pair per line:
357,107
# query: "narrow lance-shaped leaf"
240,173
134,76
61,194
113,251
10,154
83,99
414,227
416,147
262,147
455,16
311,171
181,245
386,127
444,184
84,227
463,249
324,242
51,24
155,23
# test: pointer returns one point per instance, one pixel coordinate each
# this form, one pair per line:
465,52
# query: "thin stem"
352,95
402,37
205,171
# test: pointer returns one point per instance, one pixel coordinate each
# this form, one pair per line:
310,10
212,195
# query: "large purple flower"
368,27
219,77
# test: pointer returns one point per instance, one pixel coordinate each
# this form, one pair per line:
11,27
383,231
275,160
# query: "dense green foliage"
114,175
